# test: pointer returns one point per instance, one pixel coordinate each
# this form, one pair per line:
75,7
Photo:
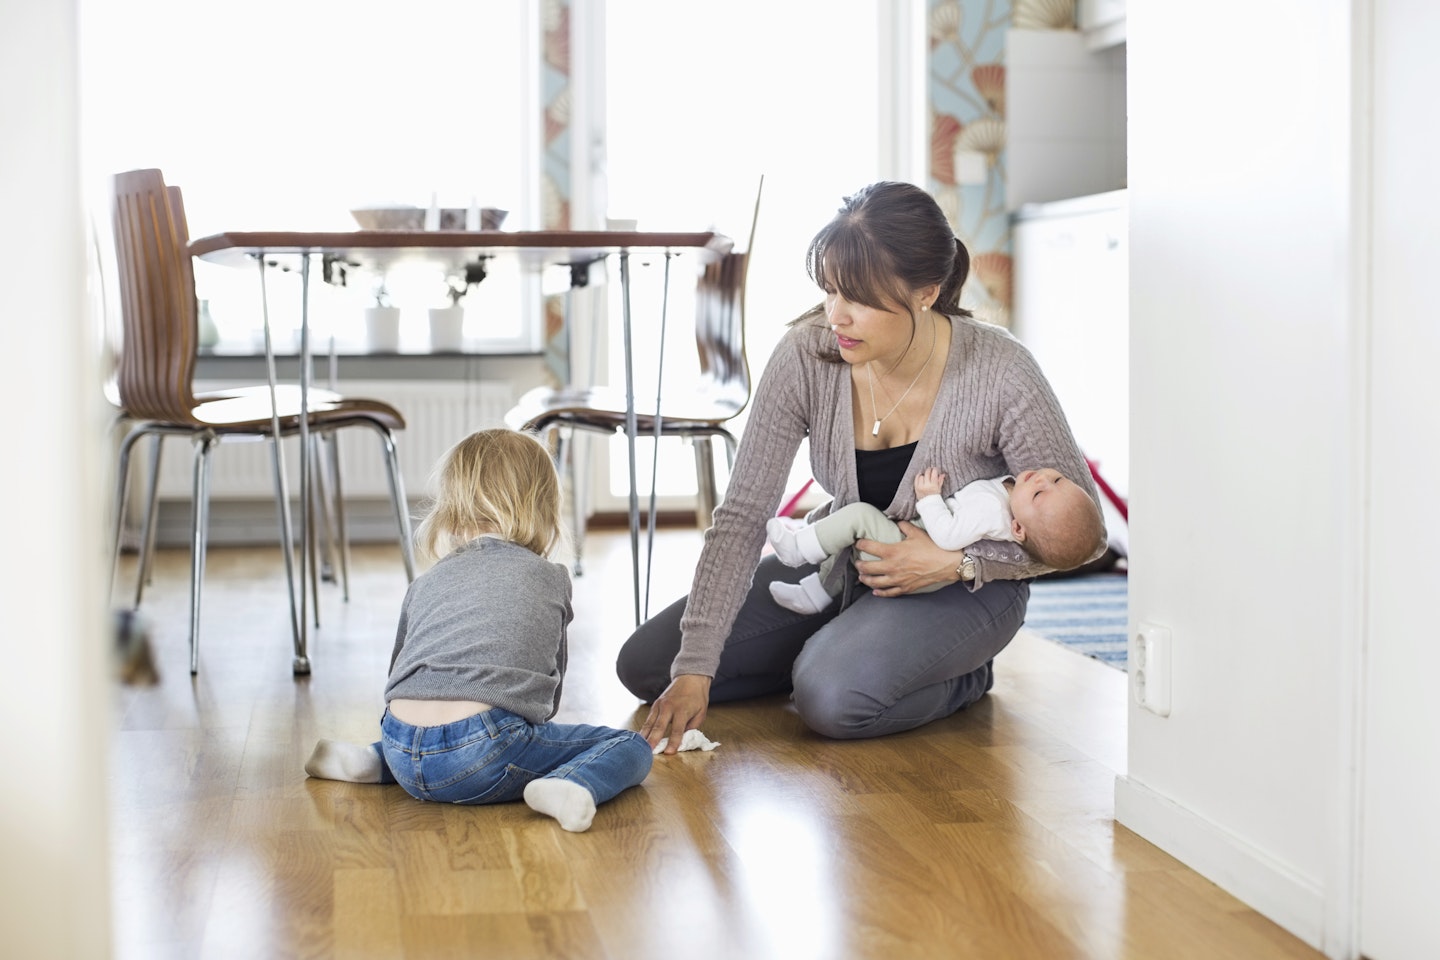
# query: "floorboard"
988,834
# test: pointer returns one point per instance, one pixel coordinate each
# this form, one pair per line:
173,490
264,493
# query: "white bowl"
389,218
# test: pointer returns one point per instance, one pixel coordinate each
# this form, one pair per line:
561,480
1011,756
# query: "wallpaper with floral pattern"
967,130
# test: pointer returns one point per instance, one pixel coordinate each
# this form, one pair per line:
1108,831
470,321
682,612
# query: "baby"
1051,517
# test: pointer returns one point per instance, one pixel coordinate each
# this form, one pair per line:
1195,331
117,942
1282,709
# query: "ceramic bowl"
389,218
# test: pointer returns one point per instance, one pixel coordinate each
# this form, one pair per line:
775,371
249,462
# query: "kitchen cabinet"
1065,117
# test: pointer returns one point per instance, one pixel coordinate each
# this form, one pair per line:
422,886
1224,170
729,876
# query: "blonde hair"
500,482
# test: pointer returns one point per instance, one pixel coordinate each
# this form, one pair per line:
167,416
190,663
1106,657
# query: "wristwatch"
966,570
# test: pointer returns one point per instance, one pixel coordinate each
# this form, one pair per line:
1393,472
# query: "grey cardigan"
995,414
486,623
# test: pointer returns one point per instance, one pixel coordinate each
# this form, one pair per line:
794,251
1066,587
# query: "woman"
887,377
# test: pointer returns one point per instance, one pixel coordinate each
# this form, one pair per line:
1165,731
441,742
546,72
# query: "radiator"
437,413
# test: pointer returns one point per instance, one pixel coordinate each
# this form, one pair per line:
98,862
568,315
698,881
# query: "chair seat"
247,410
603,408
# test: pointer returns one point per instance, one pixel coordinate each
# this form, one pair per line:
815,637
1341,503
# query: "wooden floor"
988,834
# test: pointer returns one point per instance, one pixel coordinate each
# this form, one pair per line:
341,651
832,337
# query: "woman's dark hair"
887,240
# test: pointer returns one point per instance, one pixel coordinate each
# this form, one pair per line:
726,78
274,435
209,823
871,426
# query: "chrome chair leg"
287,548
122,483
147,530
199,523
321,502
705,497
311,561
402,506
342,534
567,459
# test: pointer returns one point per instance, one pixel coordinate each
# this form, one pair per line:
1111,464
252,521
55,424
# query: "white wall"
1401,836
53,854
1244,438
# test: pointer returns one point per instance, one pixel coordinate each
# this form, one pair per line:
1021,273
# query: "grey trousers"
881,665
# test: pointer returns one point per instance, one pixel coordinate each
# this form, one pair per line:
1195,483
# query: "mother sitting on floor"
888,376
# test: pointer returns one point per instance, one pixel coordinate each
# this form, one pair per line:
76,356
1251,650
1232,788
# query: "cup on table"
382,329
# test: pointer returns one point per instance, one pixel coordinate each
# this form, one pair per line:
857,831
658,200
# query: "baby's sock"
794,546
782,538
338,760
569,803
807,596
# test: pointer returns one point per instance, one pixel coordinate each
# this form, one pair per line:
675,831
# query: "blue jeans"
881,665
490,757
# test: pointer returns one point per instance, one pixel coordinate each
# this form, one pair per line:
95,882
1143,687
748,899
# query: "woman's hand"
681,707
906,566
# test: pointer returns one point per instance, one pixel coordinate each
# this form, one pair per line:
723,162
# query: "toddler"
480,654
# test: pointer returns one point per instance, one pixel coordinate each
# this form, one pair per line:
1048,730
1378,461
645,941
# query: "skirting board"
255,523
1254,877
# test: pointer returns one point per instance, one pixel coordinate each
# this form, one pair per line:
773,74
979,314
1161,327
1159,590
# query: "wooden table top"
379,248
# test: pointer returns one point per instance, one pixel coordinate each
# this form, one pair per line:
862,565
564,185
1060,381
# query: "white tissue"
693,740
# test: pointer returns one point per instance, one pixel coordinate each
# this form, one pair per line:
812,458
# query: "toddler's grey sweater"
486,623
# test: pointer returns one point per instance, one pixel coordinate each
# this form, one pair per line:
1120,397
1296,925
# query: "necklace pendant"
875,430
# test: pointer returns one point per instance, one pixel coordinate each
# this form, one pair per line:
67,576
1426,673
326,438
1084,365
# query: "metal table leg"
301,664
630,428
282,492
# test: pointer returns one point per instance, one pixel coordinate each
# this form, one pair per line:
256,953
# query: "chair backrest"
157,299
720,322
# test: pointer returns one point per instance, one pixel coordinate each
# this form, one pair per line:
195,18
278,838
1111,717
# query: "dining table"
461,253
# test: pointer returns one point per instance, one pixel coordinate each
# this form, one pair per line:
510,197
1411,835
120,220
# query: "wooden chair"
721,392
156,376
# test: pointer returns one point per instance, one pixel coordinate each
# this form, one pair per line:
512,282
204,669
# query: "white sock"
807,596
809,543
569,803
339,760
782,538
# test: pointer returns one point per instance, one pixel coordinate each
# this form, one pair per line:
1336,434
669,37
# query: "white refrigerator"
1071,308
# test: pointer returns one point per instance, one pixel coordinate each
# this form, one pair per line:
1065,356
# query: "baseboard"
1272,888
254,523
235,523
621,521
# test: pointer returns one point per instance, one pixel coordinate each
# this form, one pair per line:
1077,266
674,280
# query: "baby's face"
1040,497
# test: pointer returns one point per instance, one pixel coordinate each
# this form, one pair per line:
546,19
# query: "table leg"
282,492
301,664
630,428
655,450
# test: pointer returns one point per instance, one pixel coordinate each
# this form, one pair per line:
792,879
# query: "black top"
879,473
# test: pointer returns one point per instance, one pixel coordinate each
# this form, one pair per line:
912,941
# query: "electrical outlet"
1150,668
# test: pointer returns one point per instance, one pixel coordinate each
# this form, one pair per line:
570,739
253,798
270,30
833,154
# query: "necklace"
870,376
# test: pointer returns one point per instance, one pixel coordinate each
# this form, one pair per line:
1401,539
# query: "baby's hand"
928,483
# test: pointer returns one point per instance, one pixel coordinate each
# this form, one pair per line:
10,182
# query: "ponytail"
948,301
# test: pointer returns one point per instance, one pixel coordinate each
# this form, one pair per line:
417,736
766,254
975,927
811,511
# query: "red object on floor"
1108,490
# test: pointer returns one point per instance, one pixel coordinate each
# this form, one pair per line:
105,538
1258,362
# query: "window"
276,115
698,105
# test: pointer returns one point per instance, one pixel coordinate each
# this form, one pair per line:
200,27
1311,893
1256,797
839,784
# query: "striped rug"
1087,613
